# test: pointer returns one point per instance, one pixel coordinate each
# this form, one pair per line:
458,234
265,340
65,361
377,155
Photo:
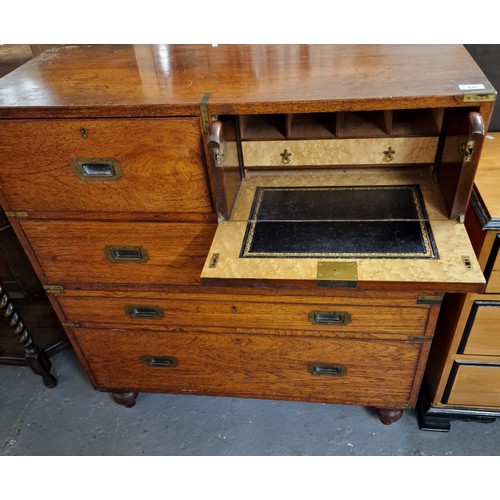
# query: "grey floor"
74,419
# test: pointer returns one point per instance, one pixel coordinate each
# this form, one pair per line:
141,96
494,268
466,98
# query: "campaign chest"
253,221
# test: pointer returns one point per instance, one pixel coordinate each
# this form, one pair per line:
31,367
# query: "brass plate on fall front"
337,274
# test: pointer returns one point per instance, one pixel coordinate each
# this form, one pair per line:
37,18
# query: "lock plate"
337,274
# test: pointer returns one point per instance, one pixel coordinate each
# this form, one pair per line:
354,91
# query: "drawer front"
474,385
482,333
493,285
118,165
374,373
119,252
322,318
492,270
358,151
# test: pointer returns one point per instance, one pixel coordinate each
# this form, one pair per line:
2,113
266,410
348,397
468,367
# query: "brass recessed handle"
160,361
144,312
338,318
116,253
97,169
330,370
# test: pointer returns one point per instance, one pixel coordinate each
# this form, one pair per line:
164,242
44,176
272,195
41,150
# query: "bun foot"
388,417
126,399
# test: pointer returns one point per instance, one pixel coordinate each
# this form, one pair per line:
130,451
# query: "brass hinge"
479,97
468,150
54,289
213,260
429,299
17,214
204,112
219,154
467,262
71,324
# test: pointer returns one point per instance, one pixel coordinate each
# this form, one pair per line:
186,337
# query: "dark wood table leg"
36,357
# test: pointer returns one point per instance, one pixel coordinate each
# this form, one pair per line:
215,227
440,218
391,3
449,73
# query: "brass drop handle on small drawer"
116,253
144,312
97,169
160,361
389,154
329,318
327,369
285,157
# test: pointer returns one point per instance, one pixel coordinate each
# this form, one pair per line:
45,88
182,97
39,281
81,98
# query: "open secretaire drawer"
371,228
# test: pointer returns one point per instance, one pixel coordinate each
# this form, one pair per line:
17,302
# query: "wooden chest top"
124,80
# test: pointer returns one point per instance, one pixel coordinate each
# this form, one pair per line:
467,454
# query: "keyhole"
234,309
83,132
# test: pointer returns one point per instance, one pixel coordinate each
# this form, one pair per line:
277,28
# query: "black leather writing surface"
340,221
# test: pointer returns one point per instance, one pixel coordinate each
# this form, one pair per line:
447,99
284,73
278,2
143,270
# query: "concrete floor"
74,419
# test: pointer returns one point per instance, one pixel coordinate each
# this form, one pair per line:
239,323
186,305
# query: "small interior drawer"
474,384
372,373
482,334
359,151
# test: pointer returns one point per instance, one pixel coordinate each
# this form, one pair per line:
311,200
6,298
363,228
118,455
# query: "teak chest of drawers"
256,221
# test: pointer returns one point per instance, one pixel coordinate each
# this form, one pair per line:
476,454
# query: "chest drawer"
493,285
492,268
474,384
148,253
326,370
285,318
482,333
120,165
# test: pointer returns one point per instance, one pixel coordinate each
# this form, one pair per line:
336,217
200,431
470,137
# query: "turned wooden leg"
388,417
40,364
126,399
36,357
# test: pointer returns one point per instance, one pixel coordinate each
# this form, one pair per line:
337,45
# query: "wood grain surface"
73,251
161,161
334,152
476,386
253,366
283,316
483,337
122,80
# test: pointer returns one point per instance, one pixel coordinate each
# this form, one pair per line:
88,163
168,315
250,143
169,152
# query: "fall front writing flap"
390,228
